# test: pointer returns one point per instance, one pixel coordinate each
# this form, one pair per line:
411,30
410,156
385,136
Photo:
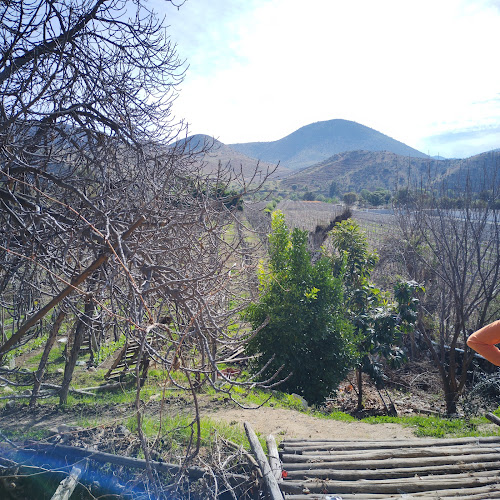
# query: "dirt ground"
417,391
286,424
282,423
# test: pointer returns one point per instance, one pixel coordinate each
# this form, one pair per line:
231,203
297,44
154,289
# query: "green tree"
334,189
376,198
350,198
405,292
307,338
375,317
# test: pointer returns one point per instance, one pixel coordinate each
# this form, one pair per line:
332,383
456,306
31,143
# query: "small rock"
63,340
55,438
60,370
305,404
81,363
10,404
6,389
63,428
121,430
91,369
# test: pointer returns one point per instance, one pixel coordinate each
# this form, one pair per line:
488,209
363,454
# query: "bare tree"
451,243
108,223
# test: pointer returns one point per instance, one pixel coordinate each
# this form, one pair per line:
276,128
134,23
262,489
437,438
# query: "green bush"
307,338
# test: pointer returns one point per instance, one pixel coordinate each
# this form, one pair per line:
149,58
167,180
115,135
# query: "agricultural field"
378,224
307,215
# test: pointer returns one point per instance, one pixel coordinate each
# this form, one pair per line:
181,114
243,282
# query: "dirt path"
278,421
293,424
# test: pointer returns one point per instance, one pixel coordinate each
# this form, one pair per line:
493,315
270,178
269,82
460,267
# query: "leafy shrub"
307,338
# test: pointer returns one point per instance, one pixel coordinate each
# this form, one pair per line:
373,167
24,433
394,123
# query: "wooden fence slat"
464,494
391,473
386,454
394,444
393,462
396,486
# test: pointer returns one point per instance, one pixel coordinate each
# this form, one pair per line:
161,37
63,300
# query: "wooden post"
274,458
267,474
67,485
493,418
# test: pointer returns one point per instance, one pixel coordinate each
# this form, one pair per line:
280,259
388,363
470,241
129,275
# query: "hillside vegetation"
357,170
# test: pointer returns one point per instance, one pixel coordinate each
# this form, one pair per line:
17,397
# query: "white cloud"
261,69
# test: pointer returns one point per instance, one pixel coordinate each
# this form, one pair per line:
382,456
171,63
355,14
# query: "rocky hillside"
357,170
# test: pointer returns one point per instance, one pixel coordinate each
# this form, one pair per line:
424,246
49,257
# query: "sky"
426,73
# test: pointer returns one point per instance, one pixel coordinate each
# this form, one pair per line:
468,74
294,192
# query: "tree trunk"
38,316
82,323
4,336
450,396
359,377
413,346
45,357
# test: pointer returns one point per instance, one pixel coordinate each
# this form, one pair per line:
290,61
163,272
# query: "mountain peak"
318,141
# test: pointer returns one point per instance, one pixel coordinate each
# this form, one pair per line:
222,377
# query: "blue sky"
425,73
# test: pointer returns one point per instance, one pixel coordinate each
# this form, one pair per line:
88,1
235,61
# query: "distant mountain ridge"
220,152
368,160
318,141
371,170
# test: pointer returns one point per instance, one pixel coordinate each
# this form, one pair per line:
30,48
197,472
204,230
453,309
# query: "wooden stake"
493,418
267,474
274,458
67,485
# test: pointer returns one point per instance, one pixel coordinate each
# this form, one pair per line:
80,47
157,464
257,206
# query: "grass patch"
335,415
35,434
108,349
31,345
107,398
55,360
258,397
438,427
175,432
